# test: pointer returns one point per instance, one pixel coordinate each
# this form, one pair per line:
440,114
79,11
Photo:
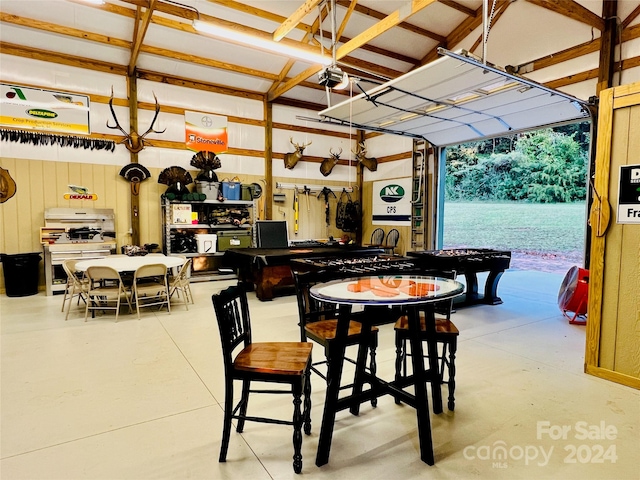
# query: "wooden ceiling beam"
572,10
139,32
294,19
257,12
62,59
165,7
390,21
456,6
631,17
404,25
67,31
379,28
165,53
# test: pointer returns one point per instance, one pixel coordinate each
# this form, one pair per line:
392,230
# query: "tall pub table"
411,292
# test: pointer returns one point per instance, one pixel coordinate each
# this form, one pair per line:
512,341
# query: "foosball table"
469,261
372,264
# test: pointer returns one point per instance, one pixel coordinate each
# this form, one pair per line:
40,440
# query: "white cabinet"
192,227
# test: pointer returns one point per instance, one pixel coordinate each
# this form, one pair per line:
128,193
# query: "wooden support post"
360,183
132,86
268,159
607,45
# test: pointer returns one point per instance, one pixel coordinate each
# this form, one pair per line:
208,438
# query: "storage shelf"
208,263
177,226
212,202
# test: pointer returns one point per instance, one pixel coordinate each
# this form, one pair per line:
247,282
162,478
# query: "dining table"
126,263
413,294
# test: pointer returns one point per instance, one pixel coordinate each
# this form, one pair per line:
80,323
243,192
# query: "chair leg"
307,401
453,347
246,384
400,355
226,423
373,366
297,428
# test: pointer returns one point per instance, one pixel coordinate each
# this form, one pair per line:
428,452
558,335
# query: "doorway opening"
526,193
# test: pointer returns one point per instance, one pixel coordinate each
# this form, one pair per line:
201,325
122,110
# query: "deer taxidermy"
291,159
134,142
328,163
207,162
370,163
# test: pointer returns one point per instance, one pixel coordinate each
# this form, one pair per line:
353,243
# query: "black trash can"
20,273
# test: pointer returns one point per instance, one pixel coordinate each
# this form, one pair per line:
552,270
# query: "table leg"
422,403
363,350
334,376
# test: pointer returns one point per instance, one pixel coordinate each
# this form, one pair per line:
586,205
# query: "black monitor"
271,234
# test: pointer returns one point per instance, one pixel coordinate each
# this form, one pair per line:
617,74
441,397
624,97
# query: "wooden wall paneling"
49,189
627,354
596,272
61,185
613,342
99,185
10,211
613,253
25,218
88,180
36,186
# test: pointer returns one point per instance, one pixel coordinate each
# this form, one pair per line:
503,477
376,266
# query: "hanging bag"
347,213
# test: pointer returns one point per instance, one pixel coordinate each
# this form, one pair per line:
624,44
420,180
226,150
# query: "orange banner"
205,132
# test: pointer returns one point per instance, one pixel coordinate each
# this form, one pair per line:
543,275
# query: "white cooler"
206,242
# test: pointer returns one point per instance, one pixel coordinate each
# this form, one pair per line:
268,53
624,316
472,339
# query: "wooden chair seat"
325,330
275,358
442,325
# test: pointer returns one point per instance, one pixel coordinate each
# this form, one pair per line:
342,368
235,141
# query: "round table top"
124,263
387,290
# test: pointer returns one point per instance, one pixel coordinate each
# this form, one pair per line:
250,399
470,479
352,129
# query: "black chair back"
232,313
309,309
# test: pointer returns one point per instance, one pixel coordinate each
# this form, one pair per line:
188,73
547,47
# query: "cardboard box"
231,190
181,213
234,239
207,242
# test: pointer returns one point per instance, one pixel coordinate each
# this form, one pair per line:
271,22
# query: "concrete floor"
140,399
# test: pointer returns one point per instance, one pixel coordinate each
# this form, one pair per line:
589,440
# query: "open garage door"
457,99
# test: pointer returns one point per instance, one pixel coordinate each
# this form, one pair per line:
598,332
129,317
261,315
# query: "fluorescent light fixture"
261,43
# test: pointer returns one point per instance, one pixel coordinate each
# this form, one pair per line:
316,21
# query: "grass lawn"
543,230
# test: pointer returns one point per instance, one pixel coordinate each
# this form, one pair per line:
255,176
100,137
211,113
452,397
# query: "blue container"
231,190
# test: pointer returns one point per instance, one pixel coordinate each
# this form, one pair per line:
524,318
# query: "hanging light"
261,43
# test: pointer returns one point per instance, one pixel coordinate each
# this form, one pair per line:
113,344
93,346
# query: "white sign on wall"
629,194
392,202
47,110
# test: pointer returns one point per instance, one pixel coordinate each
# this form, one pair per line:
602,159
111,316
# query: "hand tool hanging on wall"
296,210
306,191
325,192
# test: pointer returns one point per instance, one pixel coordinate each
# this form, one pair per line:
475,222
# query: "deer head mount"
328,163
370,163
134,142
291,159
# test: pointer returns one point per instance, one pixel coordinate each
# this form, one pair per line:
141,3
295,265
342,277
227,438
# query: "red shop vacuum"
574,294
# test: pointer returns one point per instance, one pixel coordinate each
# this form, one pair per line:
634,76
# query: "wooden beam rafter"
572,10
139,32
294,19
